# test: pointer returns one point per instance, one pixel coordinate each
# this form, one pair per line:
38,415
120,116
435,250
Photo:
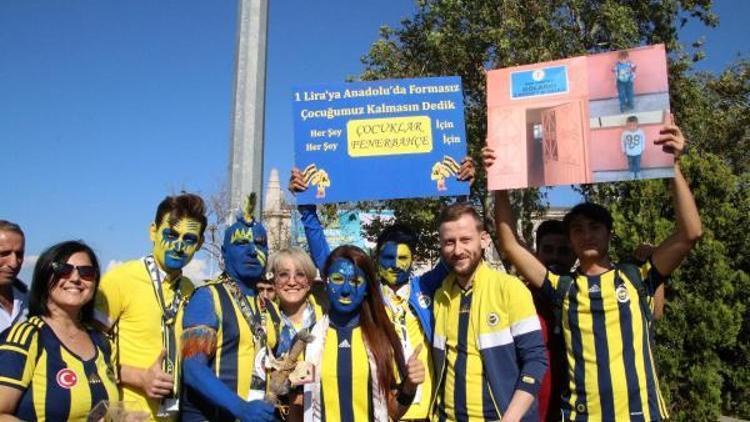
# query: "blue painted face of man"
346,287
245,251
394,263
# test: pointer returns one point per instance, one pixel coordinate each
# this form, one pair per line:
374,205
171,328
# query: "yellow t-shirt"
126,303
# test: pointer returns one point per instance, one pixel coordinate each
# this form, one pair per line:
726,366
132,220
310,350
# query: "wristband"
403,398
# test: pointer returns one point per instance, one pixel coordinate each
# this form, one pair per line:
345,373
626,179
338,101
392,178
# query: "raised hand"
671,138
467,170
155,382
296,181
488,157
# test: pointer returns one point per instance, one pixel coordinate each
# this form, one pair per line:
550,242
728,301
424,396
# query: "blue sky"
106,107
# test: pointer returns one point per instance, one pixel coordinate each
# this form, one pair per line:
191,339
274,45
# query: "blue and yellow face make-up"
394,263
175,244
346,287
245,250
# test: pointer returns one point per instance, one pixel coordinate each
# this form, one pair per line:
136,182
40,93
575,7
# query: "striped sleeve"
18,353
549,285
527,336
651,277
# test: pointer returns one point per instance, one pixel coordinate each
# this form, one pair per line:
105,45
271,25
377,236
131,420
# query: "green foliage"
703,343
467,37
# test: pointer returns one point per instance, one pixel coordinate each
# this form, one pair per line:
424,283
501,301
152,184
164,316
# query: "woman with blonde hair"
293,275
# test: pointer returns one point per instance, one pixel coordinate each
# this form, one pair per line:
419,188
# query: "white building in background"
277,214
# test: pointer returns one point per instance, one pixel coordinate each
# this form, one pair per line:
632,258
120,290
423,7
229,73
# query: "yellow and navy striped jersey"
487,345
345,376
57,385
237,354
608,348
410,332
464,393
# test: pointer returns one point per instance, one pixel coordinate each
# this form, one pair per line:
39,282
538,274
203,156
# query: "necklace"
66,334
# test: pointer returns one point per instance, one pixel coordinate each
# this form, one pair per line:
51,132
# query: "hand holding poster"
380,140
579,120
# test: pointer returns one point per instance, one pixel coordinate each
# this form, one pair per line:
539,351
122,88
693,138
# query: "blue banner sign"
539,82
386,139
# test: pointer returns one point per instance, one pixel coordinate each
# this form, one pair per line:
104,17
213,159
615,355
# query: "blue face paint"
346,287
175,243
245,251
394,263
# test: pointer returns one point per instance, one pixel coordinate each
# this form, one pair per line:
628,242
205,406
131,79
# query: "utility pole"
246,151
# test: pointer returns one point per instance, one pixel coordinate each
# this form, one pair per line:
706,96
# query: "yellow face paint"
241,235
175,245
394,263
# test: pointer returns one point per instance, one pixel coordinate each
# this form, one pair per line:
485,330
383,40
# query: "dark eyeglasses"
87,272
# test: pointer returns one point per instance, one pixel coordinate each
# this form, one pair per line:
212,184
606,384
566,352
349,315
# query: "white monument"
277,214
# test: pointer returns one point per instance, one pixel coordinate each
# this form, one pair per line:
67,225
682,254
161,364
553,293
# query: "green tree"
703,343
467,37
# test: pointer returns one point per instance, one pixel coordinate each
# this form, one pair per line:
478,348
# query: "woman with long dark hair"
54,365
359,369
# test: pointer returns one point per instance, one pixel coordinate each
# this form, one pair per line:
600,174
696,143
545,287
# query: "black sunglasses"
87,272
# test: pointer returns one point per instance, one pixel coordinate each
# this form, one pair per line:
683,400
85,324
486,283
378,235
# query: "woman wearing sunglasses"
359,373
54,365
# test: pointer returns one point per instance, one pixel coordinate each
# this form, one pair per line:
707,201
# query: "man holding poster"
604,311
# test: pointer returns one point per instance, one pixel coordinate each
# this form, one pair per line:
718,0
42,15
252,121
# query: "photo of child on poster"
583,119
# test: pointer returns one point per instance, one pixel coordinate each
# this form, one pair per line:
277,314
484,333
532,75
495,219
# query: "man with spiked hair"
228,330
141,301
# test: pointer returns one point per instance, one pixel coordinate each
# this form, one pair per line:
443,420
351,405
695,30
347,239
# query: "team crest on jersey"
66,378
622,294
492,319
581,408
424,301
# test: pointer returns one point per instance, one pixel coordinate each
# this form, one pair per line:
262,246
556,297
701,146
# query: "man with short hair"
265,289
488,349
141,301
604,309
13,306
554,251
553,247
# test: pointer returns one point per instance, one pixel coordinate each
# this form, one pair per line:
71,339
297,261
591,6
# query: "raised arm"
316,240
688,228
525,262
